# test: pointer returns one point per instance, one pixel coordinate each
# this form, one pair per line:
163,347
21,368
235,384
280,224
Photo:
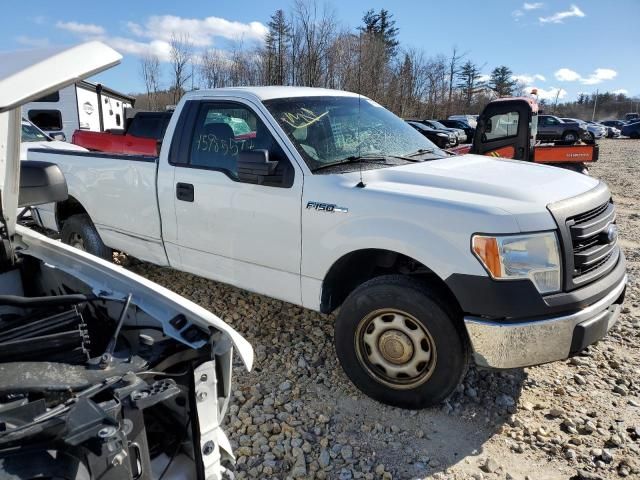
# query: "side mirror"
487,125
254,166
59,136
41,182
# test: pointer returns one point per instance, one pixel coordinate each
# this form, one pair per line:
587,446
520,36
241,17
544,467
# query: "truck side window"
46,119
503,125
223,130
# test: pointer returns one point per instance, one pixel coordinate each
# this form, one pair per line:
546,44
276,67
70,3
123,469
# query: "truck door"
225,229
504,130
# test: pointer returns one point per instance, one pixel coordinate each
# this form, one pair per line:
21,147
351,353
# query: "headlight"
443,135
534,256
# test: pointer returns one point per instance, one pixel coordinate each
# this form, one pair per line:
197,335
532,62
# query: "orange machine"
508,127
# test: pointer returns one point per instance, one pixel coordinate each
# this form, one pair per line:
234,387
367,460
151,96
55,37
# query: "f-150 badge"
326,207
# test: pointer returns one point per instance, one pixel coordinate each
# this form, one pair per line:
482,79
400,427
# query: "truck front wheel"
79,232
399,343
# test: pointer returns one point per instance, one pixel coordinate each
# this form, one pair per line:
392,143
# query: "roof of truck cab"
270,93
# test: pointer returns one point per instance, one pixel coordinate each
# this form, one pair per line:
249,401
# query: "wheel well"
355,268
66,209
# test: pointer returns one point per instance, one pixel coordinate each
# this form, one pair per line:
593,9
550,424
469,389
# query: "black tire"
80,228
570,136
419,308
634,135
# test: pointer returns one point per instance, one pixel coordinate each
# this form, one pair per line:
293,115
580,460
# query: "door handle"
184,192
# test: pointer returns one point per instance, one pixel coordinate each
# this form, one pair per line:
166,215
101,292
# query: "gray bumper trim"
525,343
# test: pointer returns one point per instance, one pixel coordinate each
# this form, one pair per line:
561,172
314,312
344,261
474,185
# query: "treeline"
306,46
608,106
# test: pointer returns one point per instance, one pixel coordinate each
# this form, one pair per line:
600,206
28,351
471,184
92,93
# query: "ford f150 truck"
334,203
103,374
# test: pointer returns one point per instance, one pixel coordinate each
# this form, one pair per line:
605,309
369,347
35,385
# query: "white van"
81,106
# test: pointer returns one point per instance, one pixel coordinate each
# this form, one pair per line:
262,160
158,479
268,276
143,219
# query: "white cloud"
160,48
484,78
200,31
532,6
559,17
550,94
567,75
529,79
81,28
621,91
35,42
517,14
599,75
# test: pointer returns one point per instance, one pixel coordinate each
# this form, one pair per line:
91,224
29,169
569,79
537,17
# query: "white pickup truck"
103,374
325,199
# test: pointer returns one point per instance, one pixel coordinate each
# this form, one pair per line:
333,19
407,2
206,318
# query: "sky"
570,47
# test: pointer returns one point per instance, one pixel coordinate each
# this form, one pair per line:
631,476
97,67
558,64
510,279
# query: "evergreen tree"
383,27
469,81
277,45
501,81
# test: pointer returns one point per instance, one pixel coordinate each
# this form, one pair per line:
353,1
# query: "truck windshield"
328,130
32,134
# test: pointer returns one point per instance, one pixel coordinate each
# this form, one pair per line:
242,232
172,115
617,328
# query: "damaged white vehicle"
103,374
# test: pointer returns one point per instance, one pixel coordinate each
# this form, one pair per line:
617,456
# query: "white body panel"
263,239
88,114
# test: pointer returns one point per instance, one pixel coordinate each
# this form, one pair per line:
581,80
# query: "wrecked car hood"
111,281
26,76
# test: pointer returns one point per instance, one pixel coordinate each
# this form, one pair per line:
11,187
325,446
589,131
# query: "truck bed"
119,194
115,143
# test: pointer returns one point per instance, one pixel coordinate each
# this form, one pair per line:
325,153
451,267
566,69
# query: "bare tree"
181,57
317,28
150,71
214,69
454,69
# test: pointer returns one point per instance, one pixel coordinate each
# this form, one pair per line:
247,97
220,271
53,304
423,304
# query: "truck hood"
519,188
26,76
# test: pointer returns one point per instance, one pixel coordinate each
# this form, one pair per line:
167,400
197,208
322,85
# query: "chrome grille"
593,250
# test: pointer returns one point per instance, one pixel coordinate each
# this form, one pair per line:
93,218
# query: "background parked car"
468,129
614,123
33,137
631,130
460,134
632,117
470,119
442,138
593,131
552,128
598,130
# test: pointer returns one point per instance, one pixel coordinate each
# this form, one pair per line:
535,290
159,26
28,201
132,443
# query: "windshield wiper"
421,151
355,159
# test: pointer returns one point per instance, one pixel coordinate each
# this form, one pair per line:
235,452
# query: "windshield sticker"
303,118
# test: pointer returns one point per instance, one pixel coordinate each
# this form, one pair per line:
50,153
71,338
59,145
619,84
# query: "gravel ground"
297,416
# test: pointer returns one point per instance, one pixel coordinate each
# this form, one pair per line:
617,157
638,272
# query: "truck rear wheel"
79,232
399,343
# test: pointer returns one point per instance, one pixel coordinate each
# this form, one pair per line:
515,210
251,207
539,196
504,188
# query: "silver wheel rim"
76,241
570,137
395,349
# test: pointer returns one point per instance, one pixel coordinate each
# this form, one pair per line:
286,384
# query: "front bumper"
532,342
